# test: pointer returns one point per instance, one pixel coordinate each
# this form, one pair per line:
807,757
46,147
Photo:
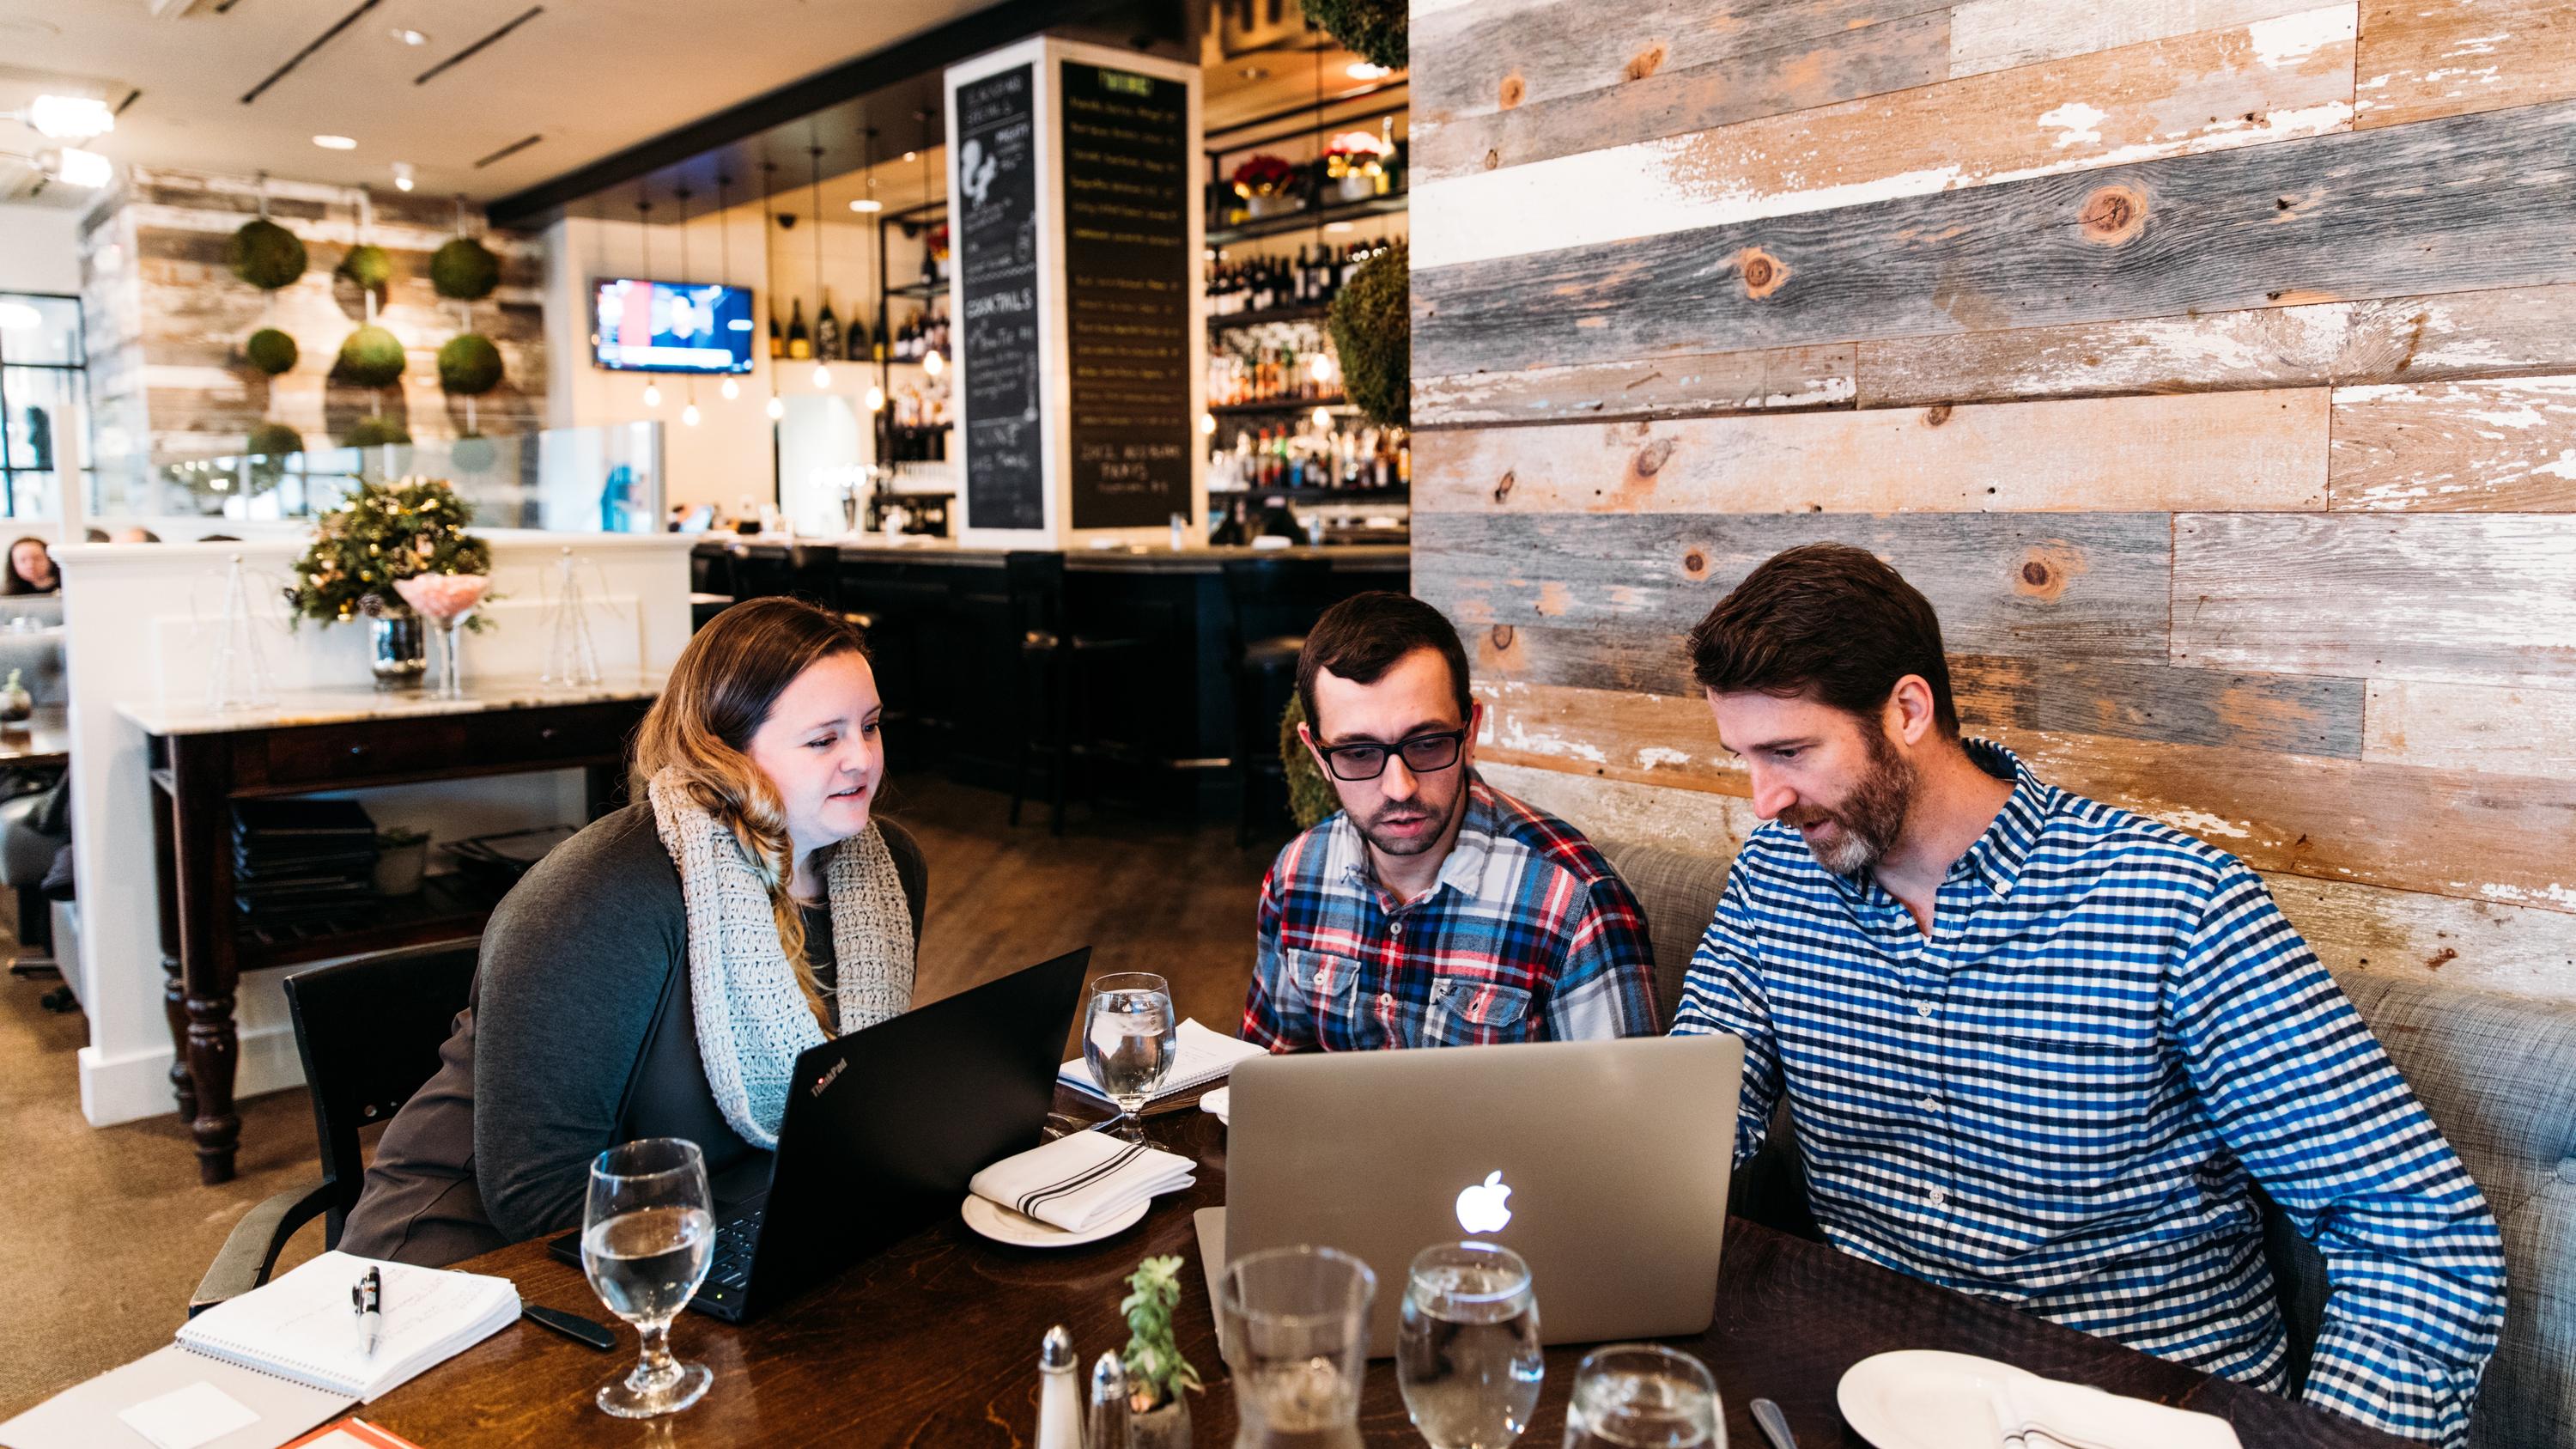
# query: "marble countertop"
293,707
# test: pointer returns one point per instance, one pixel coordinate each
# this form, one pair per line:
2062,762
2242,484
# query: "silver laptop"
1603,1164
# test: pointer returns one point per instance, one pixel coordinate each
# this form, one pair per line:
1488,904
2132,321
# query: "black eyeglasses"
1422,755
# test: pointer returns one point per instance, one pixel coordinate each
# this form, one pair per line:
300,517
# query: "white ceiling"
590,77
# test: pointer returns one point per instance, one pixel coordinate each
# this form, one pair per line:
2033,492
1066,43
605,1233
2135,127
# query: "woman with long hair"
31,569
658,974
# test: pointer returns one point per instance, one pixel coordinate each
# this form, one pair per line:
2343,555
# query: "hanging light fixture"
689,411
769,270
644,219
931,361
724,264
822,364
875,398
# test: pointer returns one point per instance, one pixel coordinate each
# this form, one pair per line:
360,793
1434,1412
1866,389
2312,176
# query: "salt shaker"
1108,1429
1059,1394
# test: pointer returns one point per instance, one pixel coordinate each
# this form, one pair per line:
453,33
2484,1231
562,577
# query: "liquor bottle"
777,340
854,344
799,345
827,329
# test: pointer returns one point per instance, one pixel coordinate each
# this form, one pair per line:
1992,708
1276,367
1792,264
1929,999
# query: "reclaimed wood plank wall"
2210,364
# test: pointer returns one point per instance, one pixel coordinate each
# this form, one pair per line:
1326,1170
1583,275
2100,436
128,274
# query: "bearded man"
2041,1050
1432,909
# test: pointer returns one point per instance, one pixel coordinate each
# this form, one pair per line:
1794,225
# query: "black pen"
367,1298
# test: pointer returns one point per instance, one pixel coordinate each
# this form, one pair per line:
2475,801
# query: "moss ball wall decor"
1372,325
266,255
271,351
273,440
375,432
372,357
464,270
369,266
469,365
1375,28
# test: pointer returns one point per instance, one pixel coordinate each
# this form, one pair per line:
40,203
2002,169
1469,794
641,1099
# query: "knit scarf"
753,1020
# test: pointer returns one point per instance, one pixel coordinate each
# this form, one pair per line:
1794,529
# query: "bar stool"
1054,663
808,571
711,586
1276,599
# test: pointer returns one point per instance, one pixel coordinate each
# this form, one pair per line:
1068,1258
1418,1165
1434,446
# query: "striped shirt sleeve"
1723,993
2304,1096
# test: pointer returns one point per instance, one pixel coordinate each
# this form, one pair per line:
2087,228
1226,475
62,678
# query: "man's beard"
1414,809
1869,819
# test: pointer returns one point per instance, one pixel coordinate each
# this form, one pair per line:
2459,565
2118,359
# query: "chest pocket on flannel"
1326,986
1466,1011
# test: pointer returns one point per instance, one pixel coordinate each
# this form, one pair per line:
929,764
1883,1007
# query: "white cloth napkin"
2054,1414
1082,1179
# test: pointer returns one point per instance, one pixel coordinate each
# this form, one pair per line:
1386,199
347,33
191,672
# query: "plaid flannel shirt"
2063,1097
1527,935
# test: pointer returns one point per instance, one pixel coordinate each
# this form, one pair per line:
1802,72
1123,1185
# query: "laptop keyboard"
735,1239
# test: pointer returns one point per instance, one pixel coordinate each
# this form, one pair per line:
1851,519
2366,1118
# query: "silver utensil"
1774,1424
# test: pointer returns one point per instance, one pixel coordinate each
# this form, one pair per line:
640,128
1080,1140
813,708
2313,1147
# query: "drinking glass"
648,1232
1467,1353
1640,1396
1129,1038
1293,1324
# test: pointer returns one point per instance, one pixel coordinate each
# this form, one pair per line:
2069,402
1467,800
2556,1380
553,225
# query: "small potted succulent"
402,855
15,703
1158,1417
1267,184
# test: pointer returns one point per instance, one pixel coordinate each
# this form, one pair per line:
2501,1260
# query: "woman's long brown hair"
719,694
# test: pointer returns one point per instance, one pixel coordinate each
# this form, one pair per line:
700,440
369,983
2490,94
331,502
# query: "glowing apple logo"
1480,1208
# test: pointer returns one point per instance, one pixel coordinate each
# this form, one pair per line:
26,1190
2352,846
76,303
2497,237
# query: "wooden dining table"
934,1342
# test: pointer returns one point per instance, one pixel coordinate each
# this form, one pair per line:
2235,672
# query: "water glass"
1129,1038
1640,1396
1293,1323
648,1233
1467,1353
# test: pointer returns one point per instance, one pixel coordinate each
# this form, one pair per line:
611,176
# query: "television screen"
640,326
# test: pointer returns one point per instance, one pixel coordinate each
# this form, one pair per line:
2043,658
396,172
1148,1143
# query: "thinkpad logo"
828,1078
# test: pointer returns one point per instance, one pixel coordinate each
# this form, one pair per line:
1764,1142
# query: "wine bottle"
827,329
854,344
777,340
799,345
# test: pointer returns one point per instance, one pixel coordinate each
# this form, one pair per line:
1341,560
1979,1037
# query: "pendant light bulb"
731,389
822,377
933,363
1323,419
652,395
776,408
876,398
689,416
1320,365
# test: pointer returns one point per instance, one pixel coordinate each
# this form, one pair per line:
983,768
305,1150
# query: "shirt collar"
1464,868
1996,856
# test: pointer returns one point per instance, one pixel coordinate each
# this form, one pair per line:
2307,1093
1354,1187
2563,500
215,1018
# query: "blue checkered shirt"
2063,1098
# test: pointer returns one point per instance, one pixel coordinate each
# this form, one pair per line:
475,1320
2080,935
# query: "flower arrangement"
1356,153
939,241
386,533
1264,175
1156,1372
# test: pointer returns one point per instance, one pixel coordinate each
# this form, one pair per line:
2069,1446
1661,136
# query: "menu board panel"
997,252
1127,294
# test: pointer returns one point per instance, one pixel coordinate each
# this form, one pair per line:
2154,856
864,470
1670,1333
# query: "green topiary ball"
469,365
464,269
1374,28
372,357
1372,325
1310,796
474,453
375,432
266,255
369,266
273,440
271,351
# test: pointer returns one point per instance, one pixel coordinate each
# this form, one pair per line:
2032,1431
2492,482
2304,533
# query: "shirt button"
1386,998
1395,929
1936,1197
1923,1009
1931,1103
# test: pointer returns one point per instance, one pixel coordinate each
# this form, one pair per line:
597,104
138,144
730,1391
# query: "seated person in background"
31,569
137,534
657,974
1432,909
2042,1050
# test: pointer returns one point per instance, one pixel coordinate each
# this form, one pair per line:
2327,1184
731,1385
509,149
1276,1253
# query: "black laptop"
884,1128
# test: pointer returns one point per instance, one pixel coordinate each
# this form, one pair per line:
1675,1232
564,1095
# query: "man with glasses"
1433,909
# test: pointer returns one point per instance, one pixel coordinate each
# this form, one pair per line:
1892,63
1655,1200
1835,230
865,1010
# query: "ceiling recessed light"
912,155
1337,226
409,36
335,143
867,203
403,176
1365,70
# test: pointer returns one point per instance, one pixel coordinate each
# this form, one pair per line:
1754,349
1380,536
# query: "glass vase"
400,650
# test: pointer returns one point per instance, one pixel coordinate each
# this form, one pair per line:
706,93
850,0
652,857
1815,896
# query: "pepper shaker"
1108,1427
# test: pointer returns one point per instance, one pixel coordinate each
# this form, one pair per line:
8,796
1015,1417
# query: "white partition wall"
142,621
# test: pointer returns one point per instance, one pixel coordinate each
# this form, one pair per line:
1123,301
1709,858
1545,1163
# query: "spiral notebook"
301,1326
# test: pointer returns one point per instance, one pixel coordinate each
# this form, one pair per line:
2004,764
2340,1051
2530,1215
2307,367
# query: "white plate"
1217,1103
1021,1231
1924,1399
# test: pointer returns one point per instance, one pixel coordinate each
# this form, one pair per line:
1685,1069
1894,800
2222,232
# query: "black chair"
1275,601
711,583
1055,663
369,1030
808,571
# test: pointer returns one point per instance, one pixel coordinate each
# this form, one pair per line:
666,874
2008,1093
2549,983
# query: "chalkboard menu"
997,251
1128,275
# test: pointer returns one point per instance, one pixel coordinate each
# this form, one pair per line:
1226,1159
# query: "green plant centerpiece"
271,351
266,255
385,532
1157,1375
1372,326
368,265
1377,29
1311,799
372,357
469,365
464,270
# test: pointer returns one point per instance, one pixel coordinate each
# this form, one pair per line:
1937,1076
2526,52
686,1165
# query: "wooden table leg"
201,775
174,989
